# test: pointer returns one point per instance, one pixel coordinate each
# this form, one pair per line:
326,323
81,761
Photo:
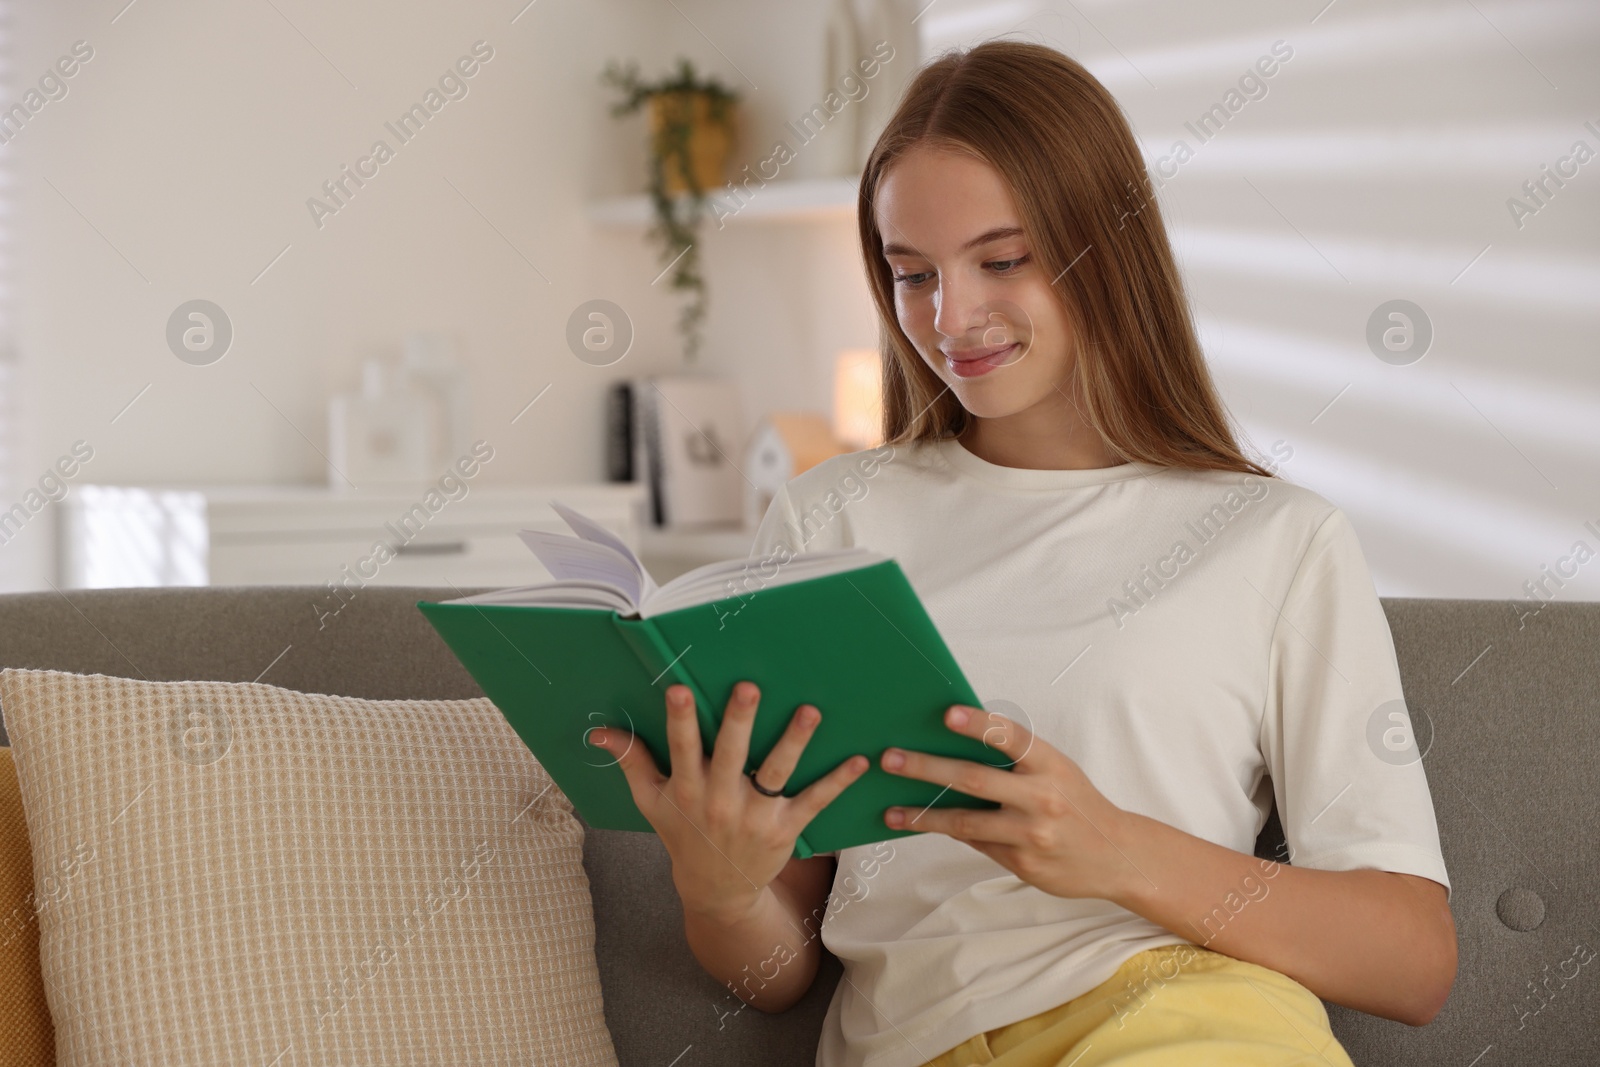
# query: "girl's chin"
995,396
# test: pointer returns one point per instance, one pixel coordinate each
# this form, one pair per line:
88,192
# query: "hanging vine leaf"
677,218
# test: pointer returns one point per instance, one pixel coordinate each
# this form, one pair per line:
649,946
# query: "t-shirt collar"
956,455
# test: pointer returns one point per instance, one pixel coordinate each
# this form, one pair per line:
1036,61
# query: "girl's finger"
683,737
1000,827
638,765
785,755
733,736
820,793
995,730
968,776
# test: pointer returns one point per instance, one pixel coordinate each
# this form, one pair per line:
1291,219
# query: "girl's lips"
972,368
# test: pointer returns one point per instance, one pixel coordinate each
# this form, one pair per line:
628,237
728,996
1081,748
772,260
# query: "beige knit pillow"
237,873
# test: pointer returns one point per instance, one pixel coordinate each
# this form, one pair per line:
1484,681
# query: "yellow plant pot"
709,141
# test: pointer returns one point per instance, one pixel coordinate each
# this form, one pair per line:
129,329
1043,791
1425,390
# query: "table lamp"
858,397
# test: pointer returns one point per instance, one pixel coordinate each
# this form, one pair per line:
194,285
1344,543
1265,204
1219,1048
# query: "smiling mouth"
984,362
970,355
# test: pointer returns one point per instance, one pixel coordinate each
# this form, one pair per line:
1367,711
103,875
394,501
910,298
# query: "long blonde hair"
1064,147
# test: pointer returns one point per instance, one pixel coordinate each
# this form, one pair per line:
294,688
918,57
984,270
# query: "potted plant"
691,131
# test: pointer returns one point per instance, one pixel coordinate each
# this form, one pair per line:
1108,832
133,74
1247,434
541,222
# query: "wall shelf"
777,201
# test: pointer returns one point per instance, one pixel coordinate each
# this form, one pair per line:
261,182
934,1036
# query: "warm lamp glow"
858,398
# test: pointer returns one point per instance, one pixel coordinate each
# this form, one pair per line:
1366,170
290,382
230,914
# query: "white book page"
596,569
590,530
572,558
744,577
569,593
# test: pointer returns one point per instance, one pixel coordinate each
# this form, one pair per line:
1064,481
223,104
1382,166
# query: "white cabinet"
289,535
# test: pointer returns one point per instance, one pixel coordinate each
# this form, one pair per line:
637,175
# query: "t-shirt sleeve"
1336,734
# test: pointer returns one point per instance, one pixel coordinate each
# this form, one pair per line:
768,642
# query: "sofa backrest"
1507,708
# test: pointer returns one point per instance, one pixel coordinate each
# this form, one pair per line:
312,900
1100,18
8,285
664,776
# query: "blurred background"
242,343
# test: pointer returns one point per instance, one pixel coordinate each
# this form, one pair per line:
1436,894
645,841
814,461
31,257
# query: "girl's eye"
1006,267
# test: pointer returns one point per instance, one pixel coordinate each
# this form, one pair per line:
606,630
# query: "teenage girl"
1169,638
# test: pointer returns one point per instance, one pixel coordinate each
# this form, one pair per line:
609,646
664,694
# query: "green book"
598,645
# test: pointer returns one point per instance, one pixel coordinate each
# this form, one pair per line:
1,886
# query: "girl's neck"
1060,446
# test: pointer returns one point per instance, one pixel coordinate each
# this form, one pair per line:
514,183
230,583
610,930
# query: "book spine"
666,666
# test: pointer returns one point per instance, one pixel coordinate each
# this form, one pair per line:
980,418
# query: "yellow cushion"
24,1015
240,873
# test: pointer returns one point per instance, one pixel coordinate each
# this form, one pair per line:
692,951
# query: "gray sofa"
1514,710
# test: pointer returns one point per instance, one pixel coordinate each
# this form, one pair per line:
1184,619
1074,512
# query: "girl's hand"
727,840
1054,829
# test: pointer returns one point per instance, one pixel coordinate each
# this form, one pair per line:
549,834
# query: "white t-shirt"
1197,642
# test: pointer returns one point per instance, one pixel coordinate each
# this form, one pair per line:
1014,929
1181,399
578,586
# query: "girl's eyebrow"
996,234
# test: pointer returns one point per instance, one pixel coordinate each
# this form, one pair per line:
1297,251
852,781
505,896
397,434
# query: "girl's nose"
959,308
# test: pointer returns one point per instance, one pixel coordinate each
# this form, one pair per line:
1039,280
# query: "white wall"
179,165
1377,166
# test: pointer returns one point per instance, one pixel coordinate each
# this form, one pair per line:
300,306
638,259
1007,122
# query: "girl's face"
968,291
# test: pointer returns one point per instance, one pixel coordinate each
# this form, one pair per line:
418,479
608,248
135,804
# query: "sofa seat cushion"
247,874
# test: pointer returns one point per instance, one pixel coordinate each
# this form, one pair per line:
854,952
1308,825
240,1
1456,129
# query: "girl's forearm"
766,957
1376,941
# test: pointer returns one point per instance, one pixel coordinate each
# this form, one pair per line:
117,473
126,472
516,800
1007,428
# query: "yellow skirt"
1170,1006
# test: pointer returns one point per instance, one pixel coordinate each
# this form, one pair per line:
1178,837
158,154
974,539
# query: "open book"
596,569
599,644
